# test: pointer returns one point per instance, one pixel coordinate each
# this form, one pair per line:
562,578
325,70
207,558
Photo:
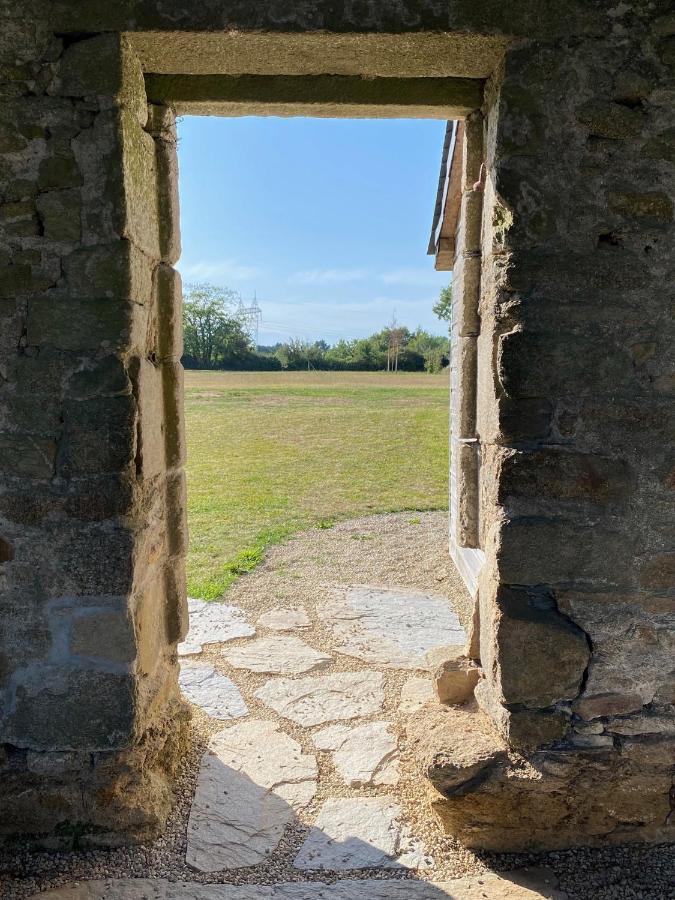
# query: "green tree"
432,348
443,306
213,332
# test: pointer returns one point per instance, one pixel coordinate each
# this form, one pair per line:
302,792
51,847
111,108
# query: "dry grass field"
270,453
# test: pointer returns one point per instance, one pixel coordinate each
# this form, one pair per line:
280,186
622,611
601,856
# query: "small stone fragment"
367,754
325,698
455,679
277,655
212,623
214,693
284,619
360,833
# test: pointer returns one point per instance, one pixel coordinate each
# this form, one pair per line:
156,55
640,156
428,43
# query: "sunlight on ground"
271,453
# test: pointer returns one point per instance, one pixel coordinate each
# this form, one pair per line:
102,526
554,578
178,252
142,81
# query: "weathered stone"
611,120
214,693
415,694
653,206
213,623
557,650
455,748
282,619
59,213
360,833
277,655
455,679
82,324
391,627
59,172
252,780
325,698
366,754
102,633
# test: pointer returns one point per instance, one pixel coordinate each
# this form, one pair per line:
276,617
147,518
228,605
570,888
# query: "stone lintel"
346,96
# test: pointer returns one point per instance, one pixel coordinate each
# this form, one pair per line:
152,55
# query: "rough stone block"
455,679
542,654
59,213
27,455
101,377
68,323
168,292
162,126
104,66
653,207
61,709
118,270
560,475
101,633
58,172
541,550
455,749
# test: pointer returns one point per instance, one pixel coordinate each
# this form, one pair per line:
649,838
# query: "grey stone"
205,687
360,833
366,754
277,655
325,698
213,623
527,884
284,619
252,780
392,627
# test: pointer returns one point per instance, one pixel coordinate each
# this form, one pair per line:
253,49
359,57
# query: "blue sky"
325,220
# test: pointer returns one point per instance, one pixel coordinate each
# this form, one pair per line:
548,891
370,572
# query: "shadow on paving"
241,822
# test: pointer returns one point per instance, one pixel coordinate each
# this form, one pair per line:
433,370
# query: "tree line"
215,337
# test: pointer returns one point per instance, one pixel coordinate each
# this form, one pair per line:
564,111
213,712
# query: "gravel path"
311,574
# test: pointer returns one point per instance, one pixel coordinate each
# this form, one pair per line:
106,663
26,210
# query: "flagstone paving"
363,755
252,779
392,627
213,623
277,655
361,833
283,619
216,694
325,698
299,779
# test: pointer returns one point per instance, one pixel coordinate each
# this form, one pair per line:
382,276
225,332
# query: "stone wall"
575,420
91,440
574,378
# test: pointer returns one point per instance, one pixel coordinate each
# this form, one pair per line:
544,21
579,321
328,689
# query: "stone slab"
252,779
360,833
391,627
277,654
415,694
364,755
319,699
283,618
532,884
212,623
216,694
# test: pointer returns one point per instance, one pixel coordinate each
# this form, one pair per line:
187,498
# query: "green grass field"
272,453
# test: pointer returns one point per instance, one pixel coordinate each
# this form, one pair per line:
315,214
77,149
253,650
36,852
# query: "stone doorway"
574,613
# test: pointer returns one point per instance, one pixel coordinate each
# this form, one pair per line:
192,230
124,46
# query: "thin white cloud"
223,269
327,276
410,276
